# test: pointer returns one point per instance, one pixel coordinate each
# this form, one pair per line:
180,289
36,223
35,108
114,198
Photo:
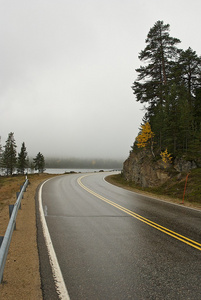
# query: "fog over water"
67,67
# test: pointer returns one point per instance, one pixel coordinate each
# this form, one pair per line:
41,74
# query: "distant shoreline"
80,170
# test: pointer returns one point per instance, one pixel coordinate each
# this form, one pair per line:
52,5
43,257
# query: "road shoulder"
21,274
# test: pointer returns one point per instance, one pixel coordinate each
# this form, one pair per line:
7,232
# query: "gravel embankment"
21,274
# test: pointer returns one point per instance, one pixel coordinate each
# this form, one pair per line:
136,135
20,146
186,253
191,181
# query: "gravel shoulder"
21,274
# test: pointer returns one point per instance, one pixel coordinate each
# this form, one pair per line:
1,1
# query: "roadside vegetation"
10,161
172,190
169,85
9,185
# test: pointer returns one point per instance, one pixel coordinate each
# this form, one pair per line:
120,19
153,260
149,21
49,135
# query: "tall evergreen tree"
9,156
190,68
158,54
197,108
39,163
22,161
154,78
188,73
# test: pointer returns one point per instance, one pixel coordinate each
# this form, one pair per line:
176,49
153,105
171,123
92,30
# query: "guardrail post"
1,240
11,207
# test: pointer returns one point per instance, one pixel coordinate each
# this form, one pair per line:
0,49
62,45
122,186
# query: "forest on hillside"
169,85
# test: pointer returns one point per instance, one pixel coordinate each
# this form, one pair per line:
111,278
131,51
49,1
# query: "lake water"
62,171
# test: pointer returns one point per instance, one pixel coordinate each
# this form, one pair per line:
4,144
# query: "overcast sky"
67,67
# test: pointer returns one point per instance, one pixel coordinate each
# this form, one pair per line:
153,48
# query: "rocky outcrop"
182,165
143,169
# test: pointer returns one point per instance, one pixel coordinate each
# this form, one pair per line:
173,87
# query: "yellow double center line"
173,234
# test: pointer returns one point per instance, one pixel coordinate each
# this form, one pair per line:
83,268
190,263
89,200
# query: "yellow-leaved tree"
145,137
166,157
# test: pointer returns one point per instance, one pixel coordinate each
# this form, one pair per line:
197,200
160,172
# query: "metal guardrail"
9,231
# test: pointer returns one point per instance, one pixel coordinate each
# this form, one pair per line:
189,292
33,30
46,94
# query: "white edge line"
56,271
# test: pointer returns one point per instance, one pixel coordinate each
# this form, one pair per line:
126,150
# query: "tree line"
83,163
10,160
169,85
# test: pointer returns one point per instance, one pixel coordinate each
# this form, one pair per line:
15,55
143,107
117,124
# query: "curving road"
111,243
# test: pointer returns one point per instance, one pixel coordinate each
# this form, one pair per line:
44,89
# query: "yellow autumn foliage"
166,157
145,135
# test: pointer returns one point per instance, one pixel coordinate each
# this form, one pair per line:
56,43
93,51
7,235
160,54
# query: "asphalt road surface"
111,243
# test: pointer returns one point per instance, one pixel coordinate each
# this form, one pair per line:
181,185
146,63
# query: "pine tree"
190,68
9,156
197,108
22,161
158,54
154,78
188,71
39,163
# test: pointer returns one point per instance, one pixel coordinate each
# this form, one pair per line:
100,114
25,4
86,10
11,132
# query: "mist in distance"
67,68
78,163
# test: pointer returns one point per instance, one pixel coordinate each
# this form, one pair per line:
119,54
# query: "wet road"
115,244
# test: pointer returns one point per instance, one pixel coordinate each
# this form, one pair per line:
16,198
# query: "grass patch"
10,185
